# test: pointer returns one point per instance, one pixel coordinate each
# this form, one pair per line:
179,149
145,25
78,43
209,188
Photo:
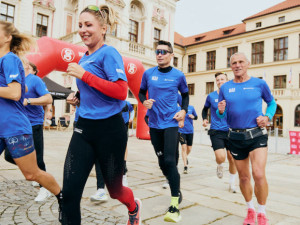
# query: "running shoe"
135,218
35,184
262,219
43,195
250,218
173,215
125,181
232,188
185,170
99,196
165,185
220,171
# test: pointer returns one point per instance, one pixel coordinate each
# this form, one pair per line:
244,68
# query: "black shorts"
186,139
240,149
219,139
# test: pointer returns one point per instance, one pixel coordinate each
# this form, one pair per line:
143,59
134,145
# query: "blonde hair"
106,15
20,43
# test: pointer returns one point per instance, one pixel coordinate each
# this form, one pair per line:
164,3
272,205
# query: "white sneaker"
125,181
165,185
232,188
220,171
35,184
99,196
43,195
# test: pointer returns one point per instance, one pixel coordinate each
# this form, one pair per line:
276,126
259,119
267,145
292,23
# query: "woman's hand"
75,70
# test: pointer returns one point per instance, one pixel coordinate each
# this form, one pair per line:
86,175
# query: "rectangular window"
230,52
175,61
7,12
280,49
211,60
209,87
258,24
133,30
156,35
257,56
192,63
41,25
280,82
191,89
281,19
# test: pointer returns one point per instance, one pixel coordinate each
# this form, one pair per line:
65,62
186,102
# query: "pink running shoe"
262,219
135,219
250,218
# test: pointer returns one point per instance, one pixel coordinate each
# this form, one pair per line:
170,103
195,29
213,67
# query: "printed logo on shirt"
249,88
13,76
168,80
154,78
120,71
216,100
231,90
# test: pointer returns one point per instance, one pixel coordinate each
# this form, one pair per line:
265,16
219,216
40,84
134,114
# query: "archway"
56,55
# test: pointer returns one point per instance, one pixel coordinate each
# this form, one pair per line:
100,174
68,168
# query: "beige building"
142,23
271,41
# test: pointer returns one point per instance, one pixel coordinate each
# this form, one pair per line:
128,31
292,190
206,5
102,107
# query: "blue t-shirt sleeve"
10,66
182,86
266,92
207,102
144,85
41,88
113,65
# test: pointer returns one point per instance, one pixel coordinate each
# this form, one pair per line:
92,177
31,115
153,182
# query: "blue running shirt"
211,102
188,122
107,64
36,88
13,118
163,88
244,101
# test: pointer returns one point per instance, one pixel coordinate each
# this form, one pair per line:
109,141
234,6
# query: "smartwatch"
28,101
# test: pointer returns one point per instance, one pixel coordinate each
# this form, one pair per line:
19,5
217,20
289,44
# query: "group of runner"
238,123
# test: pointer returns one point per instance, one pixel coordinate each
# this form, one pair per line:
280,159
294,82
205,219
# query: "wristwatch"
28,101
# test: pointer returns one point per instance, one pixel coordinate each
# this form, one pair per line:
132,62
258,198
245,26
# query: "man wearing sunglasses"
163,83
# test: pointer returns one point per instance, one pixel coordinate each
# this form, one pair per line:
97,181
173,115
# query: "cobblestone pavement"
206,198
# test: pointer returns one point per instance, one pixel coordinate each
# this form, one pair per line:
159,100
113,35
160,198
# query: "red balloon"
55,55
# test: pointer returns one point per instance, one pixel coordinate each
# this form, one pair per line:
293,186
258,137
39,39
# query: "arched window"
297,116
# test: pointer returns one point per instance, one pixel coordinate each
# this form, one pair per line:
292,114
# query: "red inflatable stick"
55,55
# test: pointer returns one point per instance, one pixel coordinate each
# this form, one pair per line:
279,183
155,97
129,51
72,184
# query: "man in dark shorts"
219,132
241,100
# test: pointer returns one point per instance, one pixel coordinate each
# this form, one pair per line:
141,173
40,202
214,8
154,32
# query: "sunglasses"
161,51
95,8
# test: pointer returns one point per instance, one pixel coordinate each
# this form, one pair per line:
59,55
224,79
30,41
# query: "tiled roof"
210,35
276,8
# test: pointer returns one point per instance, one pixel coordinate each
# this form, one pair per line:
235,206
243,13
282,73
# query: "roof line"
246,32
250,18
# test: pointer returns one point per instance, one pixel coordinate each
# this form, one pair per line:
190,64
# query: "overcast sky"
199,16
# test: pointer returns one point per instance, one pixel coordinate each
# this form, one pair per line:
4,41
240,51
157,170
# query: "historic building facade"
271,41
141,24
